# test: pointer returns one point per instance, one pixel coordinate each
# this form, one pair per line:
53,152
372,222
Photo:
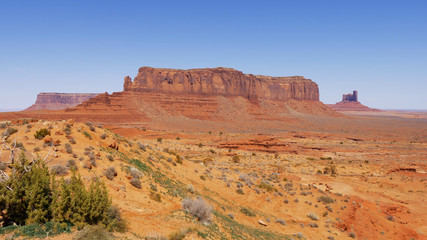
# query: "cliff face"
58,101
222,81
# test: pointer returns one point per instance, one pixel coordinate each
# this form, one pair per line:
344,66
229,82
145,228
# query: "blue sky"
376,47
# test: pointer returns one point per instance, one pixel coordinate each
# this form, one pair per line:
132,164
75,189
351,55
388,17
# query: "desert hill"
290,185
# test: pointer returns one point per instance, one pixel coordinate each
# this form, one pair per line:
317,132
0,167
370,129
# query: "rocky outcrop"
58,101
222,81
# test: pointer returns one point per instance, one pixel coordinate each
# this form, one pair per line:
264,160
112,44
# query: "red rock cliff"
58,101
222,81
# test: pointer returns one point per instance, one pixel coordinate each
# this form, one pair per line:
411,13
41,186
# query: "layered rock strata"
222,81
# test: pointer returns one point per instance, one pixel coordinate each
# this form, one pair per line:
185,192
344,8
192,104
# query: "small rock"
261,222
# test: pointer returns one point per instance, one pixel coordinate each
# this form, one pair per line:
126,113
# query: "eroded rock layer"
59,101
222,81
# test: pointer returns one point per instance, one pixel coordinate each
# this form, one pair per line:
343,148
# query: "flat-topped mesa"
58,101
221,81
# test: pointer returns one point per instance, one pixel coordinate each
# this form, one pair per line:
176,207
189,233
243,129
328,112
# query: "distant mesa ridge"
176,97
221,81
59,101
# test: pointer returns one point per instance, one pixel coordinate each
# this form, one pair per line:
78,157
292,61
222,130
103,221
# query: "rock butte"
58,101
350,103
215,94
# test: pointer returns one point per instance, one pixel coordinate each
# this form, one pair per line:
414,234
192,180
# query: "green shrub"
247,212
236,159
159,139
87,135
41,133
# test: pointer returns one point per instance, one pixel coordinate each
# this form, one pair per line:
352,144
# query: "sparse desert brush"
103,136
110,173
68,148
20,145
3,166
325,199
72,141
59,170
135,173
159,140
93,162
93,233
90,125
190,188
71,164
240,191
330,170
136,183
281,221
41,133
181,234
67,131
313,216
9,132
142,146
266,186
178,159
110,158
199,208
236,159
200,145
155,196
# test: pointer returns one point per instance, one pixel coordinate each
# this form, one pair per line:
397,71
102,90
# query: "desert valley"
218,154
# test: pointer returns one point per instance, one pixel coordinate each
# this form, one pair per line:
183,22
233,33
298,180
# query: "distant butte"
59,101
350,103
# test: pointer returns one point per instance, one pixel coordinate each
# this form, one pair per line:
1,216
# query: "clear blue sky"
376,47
